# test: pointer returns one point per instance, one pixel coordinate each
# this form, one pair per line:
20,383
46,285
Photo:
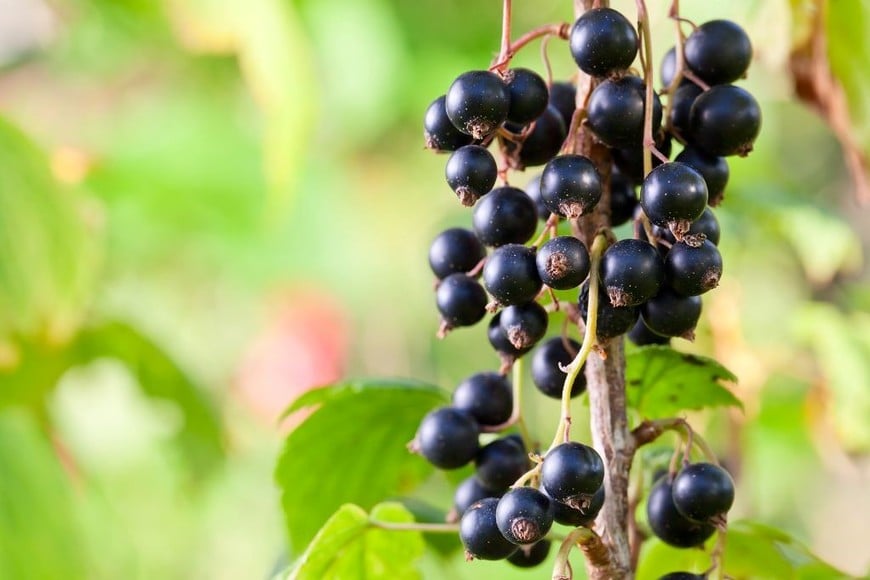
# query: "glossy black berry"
570,185
511,274
623,199
500,463
477,103
528,95
563,262
616,109
480,534
530,556
683,576
563,98
460,300
546,374
524,515
455,251
713,169
525,324
471,172
707,225
668,524
541,143
718,52
631,272
671,314
603,41
629,161
612,321
440,134
703,491
486,397
691,271
680,111
469,492
668,68
643,336
583,516
572,473
725,121
673,195
447,437
533,190
505,216
498,339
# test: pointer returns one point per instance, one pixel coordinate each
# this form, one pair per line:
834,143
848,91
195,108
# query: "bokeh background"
210,206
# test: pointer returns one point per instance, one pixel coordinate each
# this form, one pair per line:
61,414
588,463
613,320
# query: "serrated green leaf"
352,450
347,547
661,382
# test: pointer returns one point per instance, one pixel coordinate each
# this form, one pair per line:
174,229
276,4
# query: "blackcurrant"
584,516
480,534
530,556
703,491
469,492
455,251
725,121
671,314
616,109
533,190
570,185
683,576
572,473
631,272
642,336
603,41
486,397
546,374
563,98
499,340
460,300
623,199
500,463
477,103
673,195
439,132
511,274
668,524
680,111
713,169
690,270
528,95
563,262
524,515
505,216
541,143
525,324
612,321
471,172
447,437
707,225
629,160
668,69
718,52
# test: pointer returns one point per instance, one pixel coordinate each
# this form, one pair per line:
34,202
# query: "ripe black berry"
546,374
668,69
533,190
671,314
668,524
439,132
563,262
603,41
707,225
541,143
718,52
504,216
486,397
524,515
455,251
469,492
631,272
673,195
623,199
511,274
693,270
528,95
703,492
530,556
629,160
725,121
461,300
525,324
572,473
447,437
569,516
615,112
500,463
570,185
480,534
680,111
477,103
642,336
499,340
713,169
471,172
612,321
563,98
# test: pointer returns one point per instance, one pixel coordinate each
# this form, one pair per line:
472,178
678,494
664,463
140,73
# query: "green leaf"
849,58
661,382
351,449
348,547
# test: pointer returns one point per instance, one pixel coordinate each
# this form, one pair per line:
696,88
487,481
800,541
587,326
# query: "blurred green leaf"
849,58
39,536
351,449
347,547
661,382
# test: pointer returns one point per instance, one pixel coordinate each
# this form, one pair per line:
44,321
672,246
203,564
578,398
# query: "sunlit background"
208,207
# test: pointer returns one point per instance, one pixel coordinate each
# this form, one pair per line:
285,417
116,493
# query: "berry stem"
649,431
646,59
516,417
509,49
504,55
430,528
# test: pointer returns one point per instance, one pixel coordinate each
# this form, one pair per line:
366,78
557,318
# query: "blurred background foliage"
207,207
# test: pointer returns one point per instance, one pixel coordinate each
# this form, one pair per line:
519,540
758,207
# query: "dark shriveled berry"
524,515
570,185
540,144
530,556
469,492
447,438
623,199
673,195
603,41
480,534
525,324
439,132
499,341
563,262
511,274
691,271
506,215
471,172
572,473
668,524
486,397
713,169
460,300
703,492
718,51
477,103
563,98
671,314
631,272
528,95
643,336
569,516
547,375
725,121
501,463
616,111
455,251
679,113
612,321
